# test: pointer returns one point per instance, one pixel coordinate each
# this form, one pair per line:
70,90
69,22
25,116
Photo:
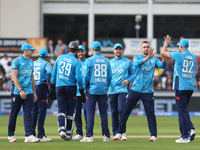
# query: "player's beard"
145,53
119,55
81,57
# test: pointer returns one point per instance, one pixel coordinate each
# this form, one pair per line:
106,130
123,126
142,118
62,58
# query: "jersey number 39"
65,68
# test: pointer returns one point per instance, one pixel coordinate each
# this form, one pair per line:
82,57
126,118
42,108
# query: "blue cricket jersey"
67,72
184,69
42,71
25,68
82,64
143,81
122,69
97,74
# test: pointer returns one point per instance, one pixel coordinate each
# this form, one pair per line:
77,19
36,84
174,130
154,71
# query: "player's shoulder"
112,60
16,60
126,59
176,53
138,57
106,59
60,57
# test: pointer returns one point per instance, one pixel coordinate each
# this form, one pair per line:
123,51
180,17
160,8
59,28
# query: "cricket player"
24,93
42,77
183,84
142,88
122,75
78,120
66,73
97,76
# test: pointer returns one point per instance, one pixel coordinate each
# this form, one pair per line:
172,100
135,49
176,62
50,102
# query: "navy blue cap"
73,45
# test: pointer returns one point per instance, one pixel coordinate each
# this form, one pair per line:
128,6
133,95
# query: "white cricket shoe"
152,139
31,139
106,139
117,137
192,134
12,139
124,137
64,136
183,140
87,139
45,139
77,137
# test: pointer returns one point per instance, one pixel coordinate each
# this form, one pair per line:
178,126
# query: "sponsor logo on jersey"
118,71
146,68
26,71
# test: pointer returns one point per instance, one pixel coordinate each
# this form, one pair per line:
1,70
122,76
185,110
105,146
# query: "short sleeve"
175,55
15,64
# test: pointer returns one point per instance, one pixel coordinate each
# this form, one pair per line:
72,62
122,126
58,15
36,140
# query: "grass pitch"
137,132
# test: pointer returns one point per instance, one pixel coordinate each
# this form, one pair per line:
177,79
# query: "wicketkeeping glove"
52,95
82,95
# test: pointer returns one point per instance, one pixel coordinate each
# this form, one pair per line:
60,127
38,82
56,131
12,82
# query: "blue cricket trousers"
148,102
117,102
90,110
182,101
66,99
78,119
27,104
39,110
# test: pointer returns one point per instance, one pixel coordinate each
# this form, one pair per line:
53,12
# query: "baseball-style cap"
96,45
73,45
117,45
27,46
43,52
81,47
183,43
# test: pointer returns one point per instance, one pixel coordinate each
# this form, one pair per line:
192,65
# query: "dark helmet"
73,45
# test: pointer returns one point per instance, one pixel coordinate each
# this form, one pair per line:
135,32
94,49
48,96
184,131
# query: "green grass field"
137,132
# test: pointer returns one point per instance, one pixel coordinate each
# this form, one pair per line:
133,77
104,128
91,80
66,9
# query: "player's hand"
125,82
167,40
34,97
23,95
151,53
48,85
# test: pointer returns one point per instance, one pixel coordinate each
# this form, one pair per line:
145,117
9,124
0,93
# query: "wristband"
20,90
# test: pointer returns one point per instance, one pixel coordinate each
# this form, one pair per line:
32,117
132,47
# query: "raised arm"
164,52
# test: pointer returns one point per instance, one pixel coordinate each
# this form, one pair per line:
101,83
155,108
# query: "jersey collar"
119,58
